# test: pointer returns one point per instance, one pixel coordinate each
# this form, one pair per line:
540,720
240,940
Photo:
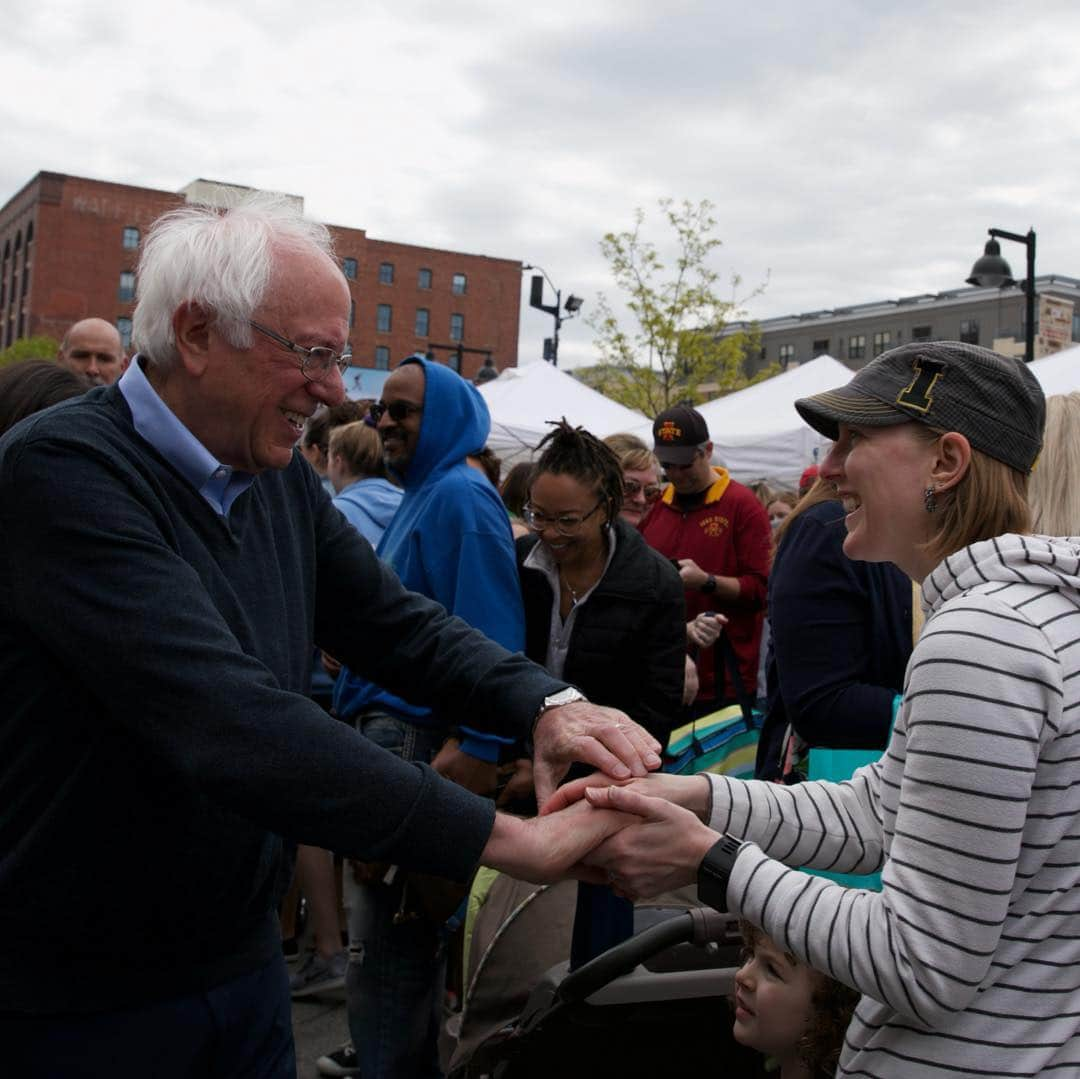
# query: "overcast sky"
854,150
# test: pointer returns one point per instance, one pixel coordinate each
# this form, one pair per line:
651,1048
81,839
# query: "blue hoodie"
450,540
370,505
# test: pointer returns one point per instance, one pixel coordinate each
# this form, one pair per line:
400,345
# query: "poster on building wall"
1055,325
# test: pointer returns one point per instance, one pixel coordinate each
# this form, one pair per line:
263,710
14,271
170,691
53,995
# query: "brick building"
69,249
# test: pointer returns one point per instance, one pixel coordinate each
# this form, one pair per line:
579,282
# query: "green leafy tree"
673,350
29,348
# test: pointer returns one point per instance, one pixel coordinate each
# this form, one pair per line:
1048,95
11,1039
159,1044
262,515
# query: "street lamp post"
992,271
536,299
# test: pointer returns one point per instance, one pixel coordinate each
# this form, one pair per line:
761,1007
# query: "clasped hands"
639,830
661,836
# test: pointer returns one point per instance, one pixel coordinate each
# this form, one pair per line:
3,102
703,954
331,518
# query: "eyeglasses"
651,491
315,363
566,524
399,410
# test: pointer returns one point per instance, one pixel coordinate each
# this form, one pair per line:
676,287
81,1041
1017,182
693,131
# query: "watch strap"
715,871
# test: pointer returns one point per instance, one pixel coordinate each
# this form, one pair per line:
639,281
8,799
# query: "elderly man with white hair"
151,791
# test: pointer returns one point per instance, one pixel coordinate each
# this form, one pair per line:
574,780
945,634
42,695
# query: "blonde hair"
639,461
360,447
622,442
990,500
1053,491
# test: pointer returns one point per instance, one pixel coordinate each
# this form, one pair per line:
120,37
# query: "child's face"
772,1000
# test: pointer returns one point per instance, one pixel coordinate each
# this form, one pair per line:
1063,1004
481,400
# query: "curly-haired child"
789,1011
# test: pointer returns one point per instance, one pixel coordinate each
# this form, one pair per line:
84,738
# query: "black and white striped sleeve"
955,787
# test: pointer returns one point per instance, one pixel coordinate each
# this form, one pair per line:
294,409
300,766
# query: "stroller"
653,1006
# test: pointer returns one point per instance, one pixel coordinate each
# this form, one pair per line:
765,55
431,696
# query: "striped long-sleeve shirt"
969,957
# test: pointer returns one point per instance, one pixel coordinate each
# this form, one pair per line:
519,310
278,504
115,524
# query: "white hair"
222,261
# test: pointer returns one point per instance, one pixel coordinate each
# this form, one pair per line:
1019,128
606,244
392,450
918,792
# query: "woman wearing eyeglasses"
603,610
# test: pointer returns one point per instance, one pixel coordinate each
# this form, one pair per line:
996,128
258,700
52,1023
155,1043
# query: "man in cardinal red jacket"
718,533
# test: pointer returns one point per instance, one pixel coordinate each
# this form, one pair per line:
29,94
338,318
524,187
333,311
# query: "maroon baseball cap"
677,434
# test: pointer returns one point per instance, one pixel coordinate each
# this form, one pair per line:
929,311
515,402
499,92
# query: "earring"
929,501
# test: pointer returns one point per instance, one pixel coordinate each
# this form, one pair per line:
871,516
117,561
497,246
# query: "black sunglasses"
399,410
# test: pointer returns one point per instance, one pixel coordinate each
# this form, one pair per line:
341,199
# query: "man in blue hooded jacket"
450,540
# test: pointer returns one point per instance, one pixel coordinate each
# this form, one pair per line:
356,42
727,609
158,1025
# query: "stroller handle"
699,925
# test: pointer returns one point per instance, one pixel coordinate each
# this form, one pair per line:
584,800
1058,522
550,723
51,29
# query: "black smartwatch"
715,871
709,587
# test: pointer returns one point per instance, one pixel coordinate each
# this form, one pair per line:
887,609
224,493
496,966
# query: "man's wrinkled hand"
546,849
480,777
604,738
689,792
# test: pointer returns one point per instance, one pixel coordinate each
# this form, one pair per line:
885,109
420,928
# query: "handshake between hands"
627,825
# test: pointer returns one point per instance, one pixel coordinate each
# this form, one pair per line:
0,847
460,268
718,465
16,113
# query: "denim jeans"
394,982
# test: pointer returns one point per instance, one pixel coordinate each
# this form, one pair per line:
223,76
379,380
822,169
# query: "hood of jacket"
455,423
1040,561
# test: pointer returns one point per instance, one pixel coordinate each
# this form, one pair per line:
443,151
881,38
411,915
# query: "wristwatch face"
564,696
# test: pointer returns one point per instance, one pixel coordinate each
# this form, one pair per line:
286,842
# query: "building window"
386,273
821,347
423,320
131,239
382,358
457,327
123,326
348,268
457,286
856,347
127,286
969,331
383,318
1075,329
787,354
882,341
352,314
921,333
423,279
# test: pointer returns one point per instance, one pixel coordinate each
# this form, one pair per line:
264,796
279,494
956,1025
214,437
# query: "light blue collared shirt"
219,484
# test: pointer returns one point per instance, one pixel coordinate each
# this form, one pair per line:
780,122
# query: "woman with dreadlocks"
603,610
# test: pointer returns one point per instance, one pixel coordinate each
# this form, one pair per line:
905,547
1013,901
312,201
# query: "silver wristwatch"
557,700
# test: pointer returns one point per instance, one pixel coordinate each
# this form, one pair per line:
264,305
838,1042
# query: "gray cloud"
856,150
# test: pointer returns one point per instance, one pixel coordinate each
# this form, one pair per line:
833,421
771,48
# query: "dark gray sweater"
155,739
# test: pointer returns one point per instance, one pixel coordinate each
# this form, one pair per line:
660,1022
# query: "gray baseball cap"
994,401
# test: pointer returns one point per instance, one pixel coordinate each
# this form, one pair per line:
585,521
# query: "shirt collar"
219,484
539,558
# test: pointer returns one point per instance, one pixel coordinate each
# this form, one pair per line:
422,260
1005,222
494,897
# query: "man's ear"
191,327
951,462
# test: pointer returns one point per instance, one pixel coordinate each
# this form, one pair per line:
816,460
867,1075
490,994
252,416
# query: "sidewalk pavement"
319,1027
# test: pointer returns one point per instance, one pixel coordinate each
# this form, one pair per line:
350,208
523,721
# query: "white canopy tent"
522,399
756,432
1059,372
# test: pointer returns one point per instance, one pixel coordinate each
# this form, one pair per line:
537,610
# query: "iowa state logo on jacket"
714,525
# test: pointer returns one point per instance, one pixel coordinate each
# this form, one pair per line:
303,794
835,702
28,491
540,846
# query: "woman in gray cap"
968,957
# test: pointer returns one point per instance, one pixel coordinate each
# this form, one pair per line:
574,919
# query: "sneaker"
343,1061
318,975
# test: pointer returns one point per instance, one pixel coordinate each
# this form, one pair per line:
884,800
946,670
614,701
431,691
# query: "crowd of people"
303,631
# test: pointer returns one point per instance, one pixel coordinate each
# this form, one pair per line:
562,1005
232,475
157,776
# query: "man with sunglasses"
450,540
169,561
718,533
